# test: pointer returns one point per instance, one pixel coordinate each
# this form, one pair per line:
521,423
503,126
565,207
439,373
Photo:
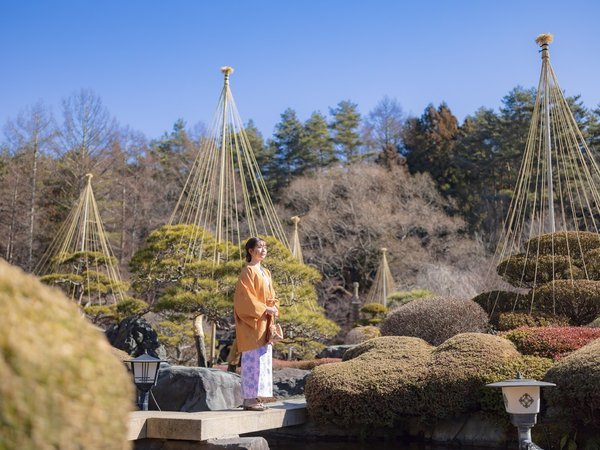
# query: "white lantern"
521,396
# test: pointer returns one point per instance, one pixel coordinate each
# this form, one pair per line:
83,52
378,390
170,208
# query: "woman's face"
259,252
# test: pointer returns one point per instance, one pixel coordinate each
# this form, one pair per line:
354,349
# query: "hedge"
577,377
510,321
371,389
551,342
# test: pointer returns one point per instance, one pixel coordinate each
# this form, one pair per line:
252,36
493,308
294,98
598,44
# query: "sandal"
256,405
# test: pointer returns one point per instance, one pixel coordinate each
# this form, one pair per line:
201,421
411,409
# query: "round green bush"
502,301
61,385
510,321
373,388
462,366
578,300
574,244
530,271
577,377
360,334
435,319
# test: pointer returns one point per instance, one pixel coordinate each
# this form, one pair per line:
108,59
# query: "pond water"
349,445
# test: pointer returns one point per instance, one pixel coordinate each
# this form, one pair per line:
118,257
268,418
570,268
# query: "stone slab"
205,425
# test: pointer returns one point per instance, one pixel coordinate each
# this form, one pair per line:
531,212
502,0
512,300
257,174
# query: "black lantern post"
145,372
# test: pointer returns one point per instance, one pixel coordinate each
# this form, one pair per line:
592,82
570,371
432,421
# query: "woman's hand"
272,310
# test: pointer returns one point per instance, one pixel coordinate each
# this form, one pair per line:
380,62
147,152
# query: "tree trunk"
32,203
11,227
199,340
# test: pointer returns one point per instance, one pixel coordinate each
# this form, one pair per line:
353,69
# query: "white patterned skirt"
257,372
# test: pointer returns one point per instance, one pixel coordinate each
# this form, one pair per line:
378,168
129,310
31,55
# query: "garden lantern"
145,372
522,403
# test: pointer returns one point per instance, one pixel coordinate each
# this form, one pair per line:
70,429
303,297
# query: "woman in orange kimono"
254,302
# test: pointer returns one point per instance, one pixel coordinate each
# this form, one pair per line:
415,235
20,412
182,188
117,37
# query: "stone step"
201,426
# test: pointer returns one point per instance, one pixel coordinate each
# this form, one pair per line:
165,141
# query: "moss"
61,386
435,319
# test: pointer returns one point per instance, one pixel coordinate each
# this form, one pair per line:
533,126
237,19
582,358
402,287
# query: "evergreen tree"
287,144
429,145
317,142
344,126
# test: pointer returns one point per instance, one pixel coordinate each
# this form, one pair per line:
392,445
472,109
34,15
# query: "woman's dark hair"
252,243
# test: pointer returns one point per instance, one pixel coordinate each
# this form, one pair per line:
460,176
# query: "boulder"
193,389
134,335
289,382
334,351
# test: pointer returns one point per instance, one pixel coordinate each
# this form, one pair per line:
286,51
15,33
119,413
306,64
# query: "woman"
254,302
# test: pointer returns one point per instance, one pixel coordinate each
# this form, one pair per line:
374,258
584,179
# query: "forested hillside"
430,188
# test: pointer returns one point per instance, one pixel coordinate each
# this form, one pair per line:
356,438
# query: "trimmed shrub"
579,300
577,377
435,319
496,302
531,271
462,366
567,243
551,342
511,321
373,388
372,313
385,347
61,387
361,334
592,264
388,379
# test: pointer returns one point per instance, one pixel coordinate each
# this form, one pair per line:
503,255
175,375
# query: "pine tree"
344,126
287,144
317,144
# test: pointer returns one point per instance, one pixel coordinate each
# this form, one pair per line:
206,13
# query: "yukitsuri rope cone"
225,192
80,260
384,284
550,242
296,247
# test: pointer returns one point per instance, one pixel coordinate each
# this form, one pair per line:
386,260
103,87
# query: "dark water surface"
370,445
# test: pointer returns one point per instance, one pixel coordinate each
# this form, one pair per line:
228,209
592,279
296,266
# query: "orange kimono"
249,305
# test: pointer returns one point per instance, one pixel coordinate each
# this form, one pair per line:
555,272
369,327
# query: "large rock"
289,382
60,385
134,335
334,351
192,389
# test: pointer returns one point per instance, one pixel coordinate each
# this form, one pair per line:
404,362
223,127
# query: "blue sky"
153,62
